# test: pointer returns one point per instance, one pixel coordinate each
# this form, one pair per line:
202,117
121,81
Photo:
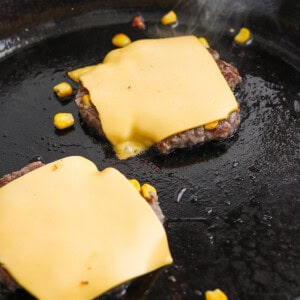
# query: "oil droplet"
180,194
174,25
36,158
211,238
266,219
194,199
235,164
209,210
297,106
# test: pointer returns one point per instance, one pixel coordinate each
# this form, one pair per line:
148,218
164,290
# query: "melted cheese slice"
70,232
152,89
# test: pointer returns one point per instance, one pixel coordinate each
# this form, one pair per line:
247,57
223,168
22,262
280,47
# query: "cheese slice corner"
155,88
68,231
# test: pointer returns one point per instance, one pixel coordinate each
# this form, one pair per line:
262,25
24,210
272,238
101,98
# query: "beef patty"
198,135
5,278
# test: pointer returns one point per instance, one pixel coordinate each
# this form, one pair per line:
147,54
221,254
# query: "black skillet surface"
232,208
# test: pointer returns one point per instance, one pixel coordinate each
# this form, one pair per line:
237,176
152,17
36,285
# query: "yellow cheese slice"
152,89
70,232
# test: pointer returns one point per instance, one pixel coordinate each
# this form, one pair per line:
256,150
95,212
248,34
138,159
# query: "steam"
216,16
225,7
213,15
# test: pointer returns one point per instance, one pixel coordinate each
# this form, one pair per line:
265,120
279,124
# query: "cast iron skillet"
233,207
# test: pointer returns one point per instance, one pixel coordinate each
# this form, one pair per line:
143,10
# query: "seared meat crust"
225,129
230,73
14,175
89,114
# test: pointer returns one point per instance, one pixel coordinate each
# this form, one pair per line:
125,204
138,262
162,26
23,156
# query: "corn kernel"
136,184
215,295
86,100
63,89
203,41
63,120
243,36
211,125
121,40
75,74
148,191
169,18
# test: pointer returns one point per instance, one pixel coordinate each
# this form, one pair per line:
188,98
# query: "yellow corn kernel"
243,36
86,100
63,120
136,184
211,125
169,18
147,191
121,40
75,74
63,89
215,295
203,41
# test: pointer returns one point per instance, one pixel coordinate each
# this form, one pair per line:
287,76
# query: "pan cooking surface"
232,208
